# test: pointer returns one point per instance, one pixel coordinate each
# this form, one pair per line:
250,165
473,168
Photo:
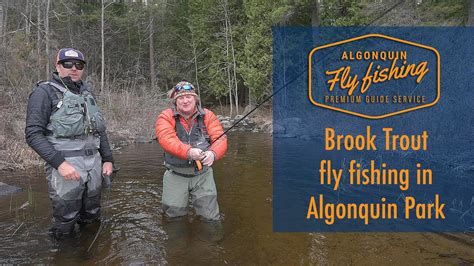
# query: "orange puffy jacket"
165,129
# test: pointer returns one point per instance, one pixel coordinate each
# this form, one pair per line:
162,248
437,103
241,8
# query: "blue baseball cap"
67,54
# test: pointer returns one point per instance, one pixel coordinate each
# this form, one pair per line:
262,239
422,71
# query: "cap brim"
72,59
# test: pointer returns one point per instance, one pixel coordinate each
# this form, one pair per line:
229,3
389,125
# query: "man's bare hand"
68,171
107,168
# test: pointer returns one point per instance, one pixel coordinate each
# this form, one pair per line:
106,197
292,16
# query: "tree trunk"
227,55
470,20
229,80
152,53
38,39
27,20
1,23
4,26
4,36
315,17
230,93
234,68
250,101
102,67
46,26
70,28
163,8
2,53
234,65
196,65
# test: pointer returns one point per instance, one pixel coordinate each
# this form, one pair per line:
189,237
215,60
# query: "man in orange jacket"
188,133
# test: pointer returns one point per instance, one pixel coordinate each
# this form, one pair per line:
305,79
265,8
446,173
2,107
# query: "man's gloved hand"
208,158
194,154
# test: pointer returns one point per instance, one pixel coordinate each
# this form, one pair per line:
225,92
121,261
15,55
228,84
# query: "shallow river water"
135,233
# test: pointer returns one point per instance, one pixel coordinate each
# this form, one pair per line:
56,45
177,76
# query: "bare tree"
470,20
195,56
46,28
227,65
1,39
3,31
315,18
315,14
152,50
1,21
27,16
38,38
234,63
4,23
102,41
230,66
102,67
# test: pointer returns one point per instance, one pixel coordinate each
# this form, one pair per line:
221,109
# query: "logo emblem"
71,53
374,76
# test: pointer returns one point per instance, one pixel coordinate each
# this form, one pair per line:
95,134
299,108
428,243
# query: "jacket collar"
75,87
200,111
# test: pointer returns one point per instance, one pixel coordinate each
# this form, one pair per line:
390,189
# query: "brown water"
134,231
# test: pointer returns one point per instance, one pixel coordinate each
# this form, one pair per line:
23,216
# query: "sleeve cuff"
108,160
57,160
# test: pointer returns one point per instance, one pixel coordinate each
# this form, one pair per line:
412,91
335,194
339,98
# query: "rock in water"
7,189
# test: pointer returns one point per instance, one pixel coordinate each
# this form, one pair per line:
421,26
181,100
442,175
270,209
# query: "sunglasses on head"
185,87
69,65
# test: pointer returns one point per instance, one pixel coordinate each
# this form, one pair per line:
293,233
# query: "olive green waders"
176,191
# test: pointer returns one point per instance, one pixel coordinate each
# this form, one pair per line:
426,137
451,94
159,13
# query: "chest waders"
182,178
74,127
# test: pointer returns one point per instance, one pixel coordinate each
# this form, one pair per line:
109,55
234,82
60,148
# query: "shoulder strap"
86,87
60,90
57,86
202,126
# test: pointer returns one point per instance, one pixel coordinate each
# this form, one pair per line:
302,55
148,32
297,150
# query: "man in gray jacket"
65,127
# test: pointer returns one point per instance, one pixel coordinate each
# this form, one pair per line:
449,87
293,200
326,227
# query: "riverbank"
130,119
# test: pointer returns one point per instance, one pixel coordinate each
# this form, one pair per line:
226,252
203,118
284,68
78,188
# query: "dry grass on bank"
15,154
130,116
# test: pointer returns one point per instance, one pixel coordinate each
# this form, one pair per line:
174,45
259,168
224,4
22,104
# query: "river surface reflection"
134,231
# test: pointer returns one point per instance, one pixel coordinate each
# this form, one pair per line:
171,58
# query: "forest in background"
137,50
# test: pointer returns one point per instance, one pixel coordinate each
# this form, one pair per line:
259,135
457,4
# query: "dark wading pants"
75,200
176,190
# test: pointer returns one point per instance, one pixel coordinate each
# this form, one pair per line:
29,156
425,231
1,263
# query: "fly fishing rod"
198,162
